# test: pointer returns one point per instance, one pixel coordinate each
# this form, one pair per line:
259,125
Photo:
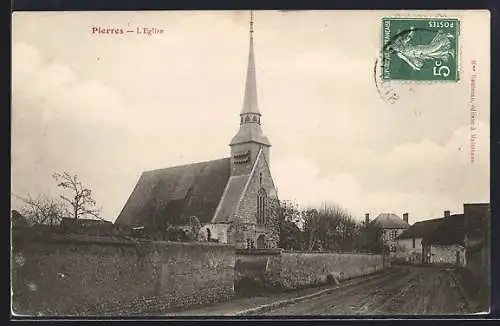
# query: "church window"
241,120
247,118
254,119
261,206
208,234
260,178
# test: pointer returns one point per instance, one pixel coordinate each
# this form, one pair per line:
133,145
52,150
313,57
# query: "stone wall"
447,254
83,275
261,266
275,268
304,269
247,210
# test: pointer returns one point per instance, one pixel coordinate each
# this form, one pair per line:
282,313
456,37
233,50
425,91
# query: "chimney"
446,213
367,218
405,217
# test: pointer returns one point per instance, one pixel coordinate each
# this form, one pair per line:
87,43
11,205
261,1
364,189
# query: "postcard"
250,163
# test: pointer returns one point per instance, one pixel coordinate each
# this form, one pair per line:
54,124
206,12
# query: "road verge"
286,302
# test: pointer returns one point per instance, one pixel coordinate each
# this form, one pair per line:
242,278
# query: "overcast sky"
108,107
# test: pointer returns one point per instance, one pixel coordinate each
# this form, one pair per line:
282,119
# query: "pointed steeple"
250,130
250,104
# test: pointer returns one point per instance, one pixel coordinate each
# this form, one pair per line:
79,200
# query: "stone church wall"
82,275
246,213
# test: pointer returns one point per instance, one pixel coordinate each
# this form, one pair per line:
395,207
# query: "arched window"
261,206
209,235
254,119
247,118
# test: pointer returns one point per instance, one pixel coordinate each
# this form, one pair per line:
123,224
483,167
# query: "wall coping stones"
330,252
107,240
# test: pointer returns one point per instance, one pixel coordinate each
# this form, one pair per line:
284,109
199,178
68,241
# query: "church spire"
250,130
249,139
250,104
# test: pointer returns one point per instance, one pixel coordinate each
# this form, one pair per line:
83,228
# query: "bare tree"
80,198
42,210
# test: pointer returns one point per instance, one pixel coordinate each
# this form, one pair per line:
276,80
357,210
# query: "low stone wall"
277,269
305,269
256,269
84,275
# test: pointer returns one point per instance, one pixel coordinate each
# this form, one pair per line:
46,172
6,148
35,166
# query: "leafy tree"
330,228
291,236
370,238
79,197
313,229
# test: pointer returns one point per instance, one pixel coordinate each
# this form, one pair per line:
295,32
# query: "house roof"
419,229
390,221
450,231
174,193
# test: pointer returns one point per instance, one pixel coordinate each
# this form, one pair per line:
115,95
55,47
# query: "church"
234,198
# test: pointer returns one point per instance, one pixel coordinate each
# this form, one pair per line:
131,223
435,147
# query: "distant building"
459,239
234,198
410,241
392,226
478,246
445,244
87,226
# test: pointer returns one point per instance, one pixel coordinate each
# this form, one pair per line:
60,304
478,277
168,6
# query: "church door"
261,241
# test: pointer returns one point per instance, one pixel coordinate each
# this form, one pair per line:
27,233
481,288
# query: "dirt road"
403,290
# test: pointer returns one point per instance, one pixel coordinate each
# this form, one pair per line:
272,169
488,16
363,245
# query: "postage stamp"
420,49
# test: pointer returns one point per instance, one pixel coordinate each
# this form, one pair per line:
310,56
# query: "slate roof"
230,198
420,229
176,192
450,231
390,221
250,132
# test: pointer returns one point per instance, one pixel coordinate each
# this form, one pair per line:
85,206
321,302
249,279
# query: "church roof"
390,221
250,132
230,198
176,192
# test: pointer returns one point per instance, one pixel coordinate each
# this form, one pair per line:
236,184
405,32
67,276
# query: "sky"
108,107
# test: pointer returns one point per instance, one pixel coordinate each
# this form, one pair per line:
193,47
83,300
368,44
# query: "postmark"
420,49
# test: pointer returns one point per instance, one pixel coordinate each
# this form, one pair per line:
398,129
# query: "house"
445,244
477,243
410,241
392,226
234,198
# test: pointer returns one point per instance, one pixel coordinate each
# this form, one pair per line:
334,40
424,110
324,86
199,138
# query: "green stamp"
420,49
